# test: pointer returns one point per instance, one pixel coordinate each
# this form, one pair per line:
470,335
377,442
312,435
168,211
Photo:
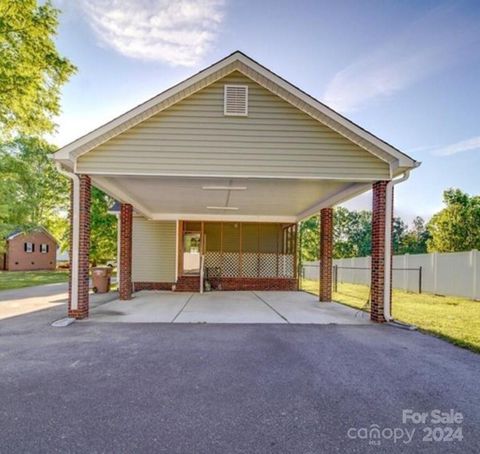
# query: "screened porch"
238,250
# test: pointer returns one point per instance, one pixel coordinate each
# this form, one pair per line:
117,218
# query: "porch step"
188,284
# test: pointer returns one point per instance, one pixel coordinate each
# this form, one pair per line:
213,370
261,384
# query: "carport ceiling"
171,197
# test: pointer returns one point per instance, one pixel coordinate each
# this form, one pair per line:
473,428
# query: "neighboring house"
28,251
213,176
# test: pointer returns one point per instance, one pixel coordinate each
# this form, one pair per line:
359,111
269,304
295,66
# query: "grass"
20,279
452,318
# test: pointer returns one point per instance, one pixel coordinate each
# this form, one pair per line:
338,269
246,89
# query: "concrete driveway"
227,307
218,388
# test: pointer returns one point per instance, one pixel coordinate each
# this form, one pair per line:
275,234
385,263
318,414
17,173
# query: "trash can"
101,276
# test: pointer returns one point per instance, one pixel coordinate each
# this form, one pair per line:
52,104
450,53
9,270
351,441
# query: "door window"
191,252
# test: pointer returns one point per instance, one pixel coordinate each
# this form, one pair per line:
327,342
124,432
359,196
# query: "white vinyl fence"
454,273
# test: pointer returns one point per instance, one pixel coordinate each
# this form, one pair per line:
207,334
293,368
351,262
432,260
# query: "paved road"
169,388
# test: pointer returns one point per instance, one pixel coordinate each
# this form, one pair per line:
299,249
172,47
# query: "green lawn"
454,319
19,279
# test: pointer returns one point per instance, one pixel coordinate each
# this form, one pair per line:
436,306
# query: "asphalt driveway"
22,301
207,388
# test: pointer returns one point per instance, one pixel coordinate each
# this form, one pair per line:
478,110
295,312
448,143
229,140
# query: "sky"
407,71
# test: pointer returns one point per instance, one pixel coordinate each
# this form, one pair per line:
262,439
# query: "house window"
28,247
44,248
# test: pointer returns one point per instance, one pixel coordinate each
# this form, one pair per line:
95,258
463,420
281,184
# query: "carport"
213,176
250,307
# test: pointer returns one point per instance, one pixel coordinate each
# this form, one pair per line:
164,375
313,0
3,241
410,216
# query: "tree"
352,232
352,235
103,228
414,241
457,226
31,69
32,192
308,239
399,231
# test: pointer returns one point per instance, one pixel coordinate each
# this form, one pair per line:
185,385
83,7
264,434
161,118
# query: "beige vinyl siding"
153,250
194,137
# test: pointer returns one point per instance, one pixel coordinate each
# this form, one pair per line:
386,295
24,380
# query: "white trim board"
221,217
232,175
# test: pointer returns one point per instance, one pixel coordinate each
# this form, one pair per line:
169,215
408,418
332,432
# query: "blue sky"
407,71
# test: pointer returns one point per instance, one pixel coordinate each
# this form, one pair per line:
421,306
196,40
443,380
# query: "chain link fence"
351,284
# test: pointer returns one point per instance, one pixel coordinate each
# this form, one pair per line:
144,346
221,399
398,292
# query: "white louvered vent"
236,100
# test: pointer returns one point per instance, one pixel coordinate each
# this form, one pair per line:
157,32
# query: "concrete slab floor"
144,307
227,307
302,307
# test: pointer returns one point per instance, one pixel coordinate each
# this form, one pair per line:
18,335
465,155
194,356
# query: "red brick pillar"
125,271
79,247
381,275
326,253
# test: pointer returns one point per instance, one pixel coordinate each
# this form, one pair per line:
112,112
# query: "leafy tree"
456,227
32,192
103,228
308,239
352,235
355,238
399,231
414,241
362,233
31,69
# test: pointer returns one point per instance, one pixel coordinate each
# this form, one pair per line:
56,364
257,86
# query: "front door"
191,252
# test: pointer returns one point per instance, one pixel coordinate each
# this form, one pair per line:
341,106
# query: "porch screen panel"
268,250
213,249
251,250
231,249
286,257
250,238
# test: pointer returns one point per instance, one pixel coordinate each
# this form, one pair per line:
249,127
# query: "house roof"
13,234
19,231
238,61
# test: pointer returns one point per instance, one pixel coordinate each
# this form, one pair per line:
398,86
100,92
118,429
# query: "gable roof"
20,231
238,61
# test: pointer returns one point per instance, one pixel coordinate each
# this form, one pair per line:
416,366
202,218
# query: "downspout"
388,244
75,220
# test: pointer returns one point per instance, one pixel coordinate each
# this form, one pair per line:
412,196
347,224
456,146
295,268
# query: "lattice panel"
286,265
268,265
213,264
231,264
249,265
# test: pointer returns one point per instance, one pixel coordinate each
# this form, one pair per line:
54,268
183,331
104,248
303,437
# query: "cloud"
437,40
177,32
459,147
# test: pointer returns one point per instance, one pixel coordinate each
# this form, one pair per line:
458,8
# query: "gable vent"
236,100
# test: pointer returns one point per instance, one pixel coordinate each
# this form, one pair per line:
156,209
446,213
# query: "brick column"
381,275
79,248
326,253
125,271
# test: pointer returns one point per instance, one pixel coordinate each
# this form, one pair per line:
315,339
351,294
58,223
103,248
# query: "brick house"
213,176
29,251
